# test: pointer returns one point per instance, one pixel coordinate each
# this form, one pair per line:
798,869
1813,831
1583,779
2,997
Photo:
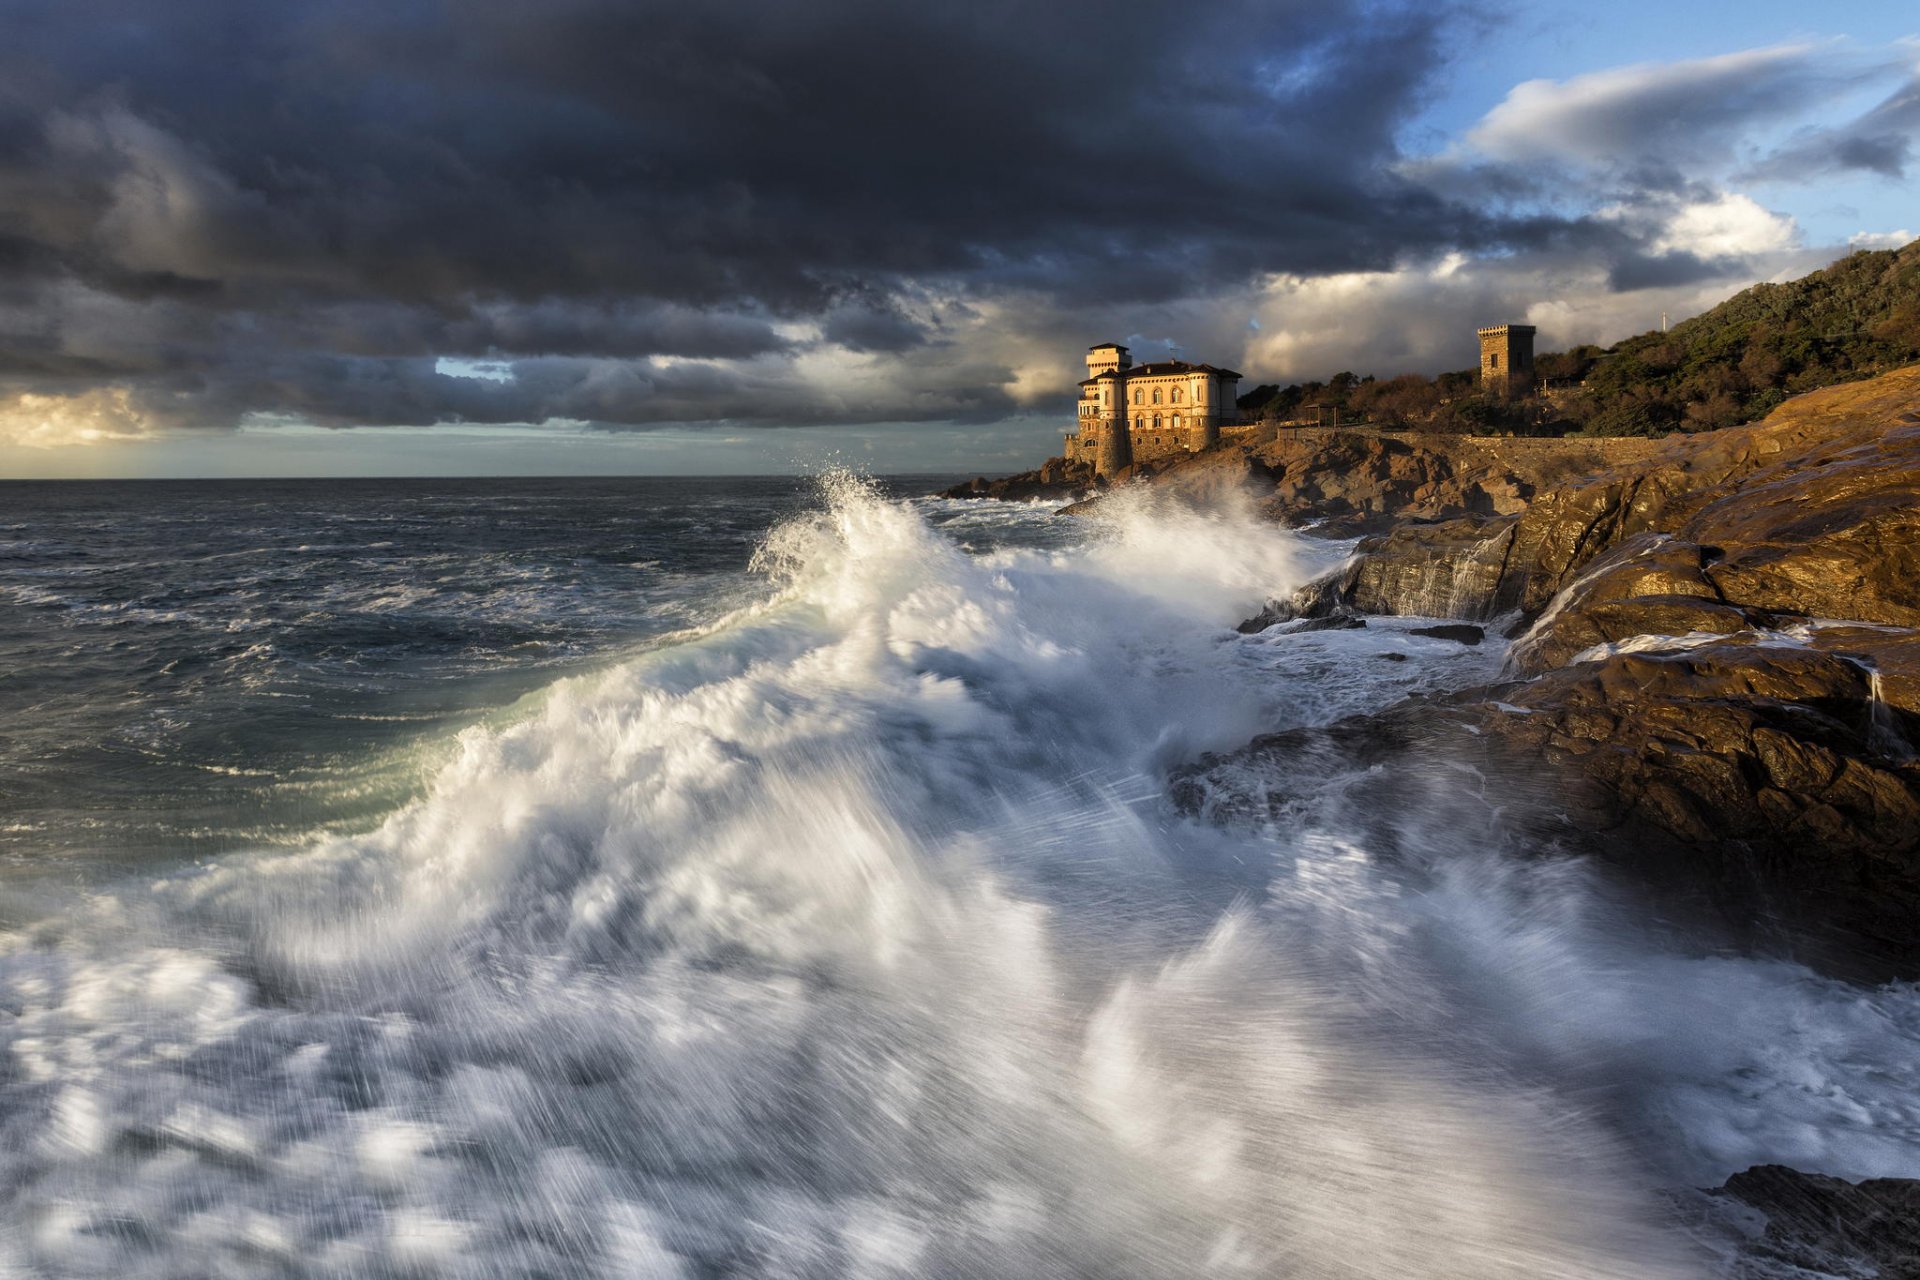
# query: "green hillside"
1732,364
1858,317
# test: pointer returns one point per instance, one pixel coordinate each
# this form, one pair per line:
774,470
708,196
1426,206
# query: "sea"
779,878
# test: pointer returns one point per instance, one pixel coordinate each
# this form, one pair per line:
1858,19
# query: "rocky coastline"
1716,650
1715,640
1712,687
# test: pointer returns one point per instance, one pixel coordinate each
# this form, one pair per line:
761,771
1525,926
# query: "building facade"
1506,358
1130,413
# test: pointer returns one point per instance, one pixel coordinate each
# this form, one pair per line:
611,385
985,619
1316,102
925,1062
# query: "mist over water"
847,930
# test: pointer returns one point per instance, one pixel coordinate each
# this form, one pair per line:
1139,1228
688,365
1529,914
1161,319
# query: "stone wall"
1512,450
1148,443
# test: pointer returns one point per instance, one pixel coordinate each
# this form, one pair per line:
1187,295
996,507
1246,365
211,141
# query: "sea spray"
855,938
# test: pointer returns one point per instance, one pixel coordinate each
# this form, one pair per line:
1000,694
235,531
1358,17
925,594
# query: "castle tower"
1204,433
1114,452
1506,358
1106,358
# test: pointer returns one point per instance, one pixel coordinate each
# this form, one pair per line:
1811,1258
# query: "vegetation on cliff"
1732,364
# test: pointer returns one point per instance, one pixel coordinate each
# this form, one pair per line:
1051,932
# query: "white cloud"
1705,119
1725,226
1880,239
1670,110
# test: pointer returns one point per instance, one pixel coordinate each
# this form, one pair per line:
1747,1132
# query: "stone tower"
1114,453
1204,434
1506,358
1106,358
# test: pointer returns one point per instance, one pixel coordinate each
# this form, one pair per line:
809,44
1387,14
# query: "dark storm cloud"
1667,270
1878,142
298,187
751,210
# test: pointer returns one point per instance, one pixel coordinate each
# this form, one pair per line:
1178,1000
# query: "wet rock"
1587,627
1333,622
1391,776
1756,774
1054,478
1321,598
1449,569
1704,726
1295,623
1829,1227
1464,633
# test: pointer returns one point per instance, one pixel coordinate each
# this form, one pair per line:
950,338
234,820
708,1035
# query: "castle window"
1156,395
1176,395
1493,360
1156,422
1139,396
1176,422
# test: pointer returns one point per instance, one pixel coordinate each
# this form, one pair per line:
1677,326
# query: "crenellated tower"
1506,358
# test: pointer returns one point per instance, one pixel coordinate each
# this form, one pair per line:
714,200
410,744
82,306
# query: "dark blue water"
188,667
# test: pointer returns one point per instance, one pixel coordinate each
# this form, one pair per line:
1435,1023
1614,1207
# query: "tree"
1720,409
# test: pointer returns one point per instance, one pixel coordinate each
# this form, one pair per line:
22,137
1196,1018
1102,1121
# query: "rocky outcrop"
1717,662
1350,481
1451,569
1814,1225
1748,798
1813,512
1055,478
1693,669
1769,777
1345,481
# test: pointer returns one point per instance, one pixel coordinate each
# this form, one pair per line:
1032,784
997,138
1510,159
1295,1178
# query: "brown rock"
1054,478
1760,762
1451,569
1771,771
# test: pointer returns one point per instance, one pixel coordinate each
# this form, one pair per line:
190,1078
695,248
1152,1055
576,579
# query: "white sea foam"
855,938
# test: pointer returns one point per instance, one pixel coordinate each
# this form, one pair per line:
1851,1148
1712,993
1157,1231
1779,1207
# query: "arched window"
1176,395
1139,396
1140,424
1176,422
1156,395
1156,422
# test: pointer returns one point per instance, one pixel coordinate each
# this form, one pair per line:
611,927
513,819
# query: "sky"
479,237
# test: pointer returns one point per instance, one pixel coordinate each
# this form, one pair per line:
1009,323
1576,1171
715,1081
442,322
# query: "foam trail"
851,939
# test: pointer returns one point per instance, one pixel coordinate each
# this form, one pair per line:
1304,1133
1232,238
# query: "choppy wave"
854,937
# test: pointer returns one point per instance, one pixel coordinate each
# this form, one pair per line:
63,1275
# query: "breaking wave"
853,937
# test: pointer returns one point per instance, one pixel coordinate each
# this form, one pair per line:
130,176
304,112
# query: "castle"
1129,413
1133,413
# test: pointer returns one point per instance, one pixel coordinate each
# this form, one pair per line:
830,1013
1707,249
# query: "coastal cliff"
1344,480
1715,660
